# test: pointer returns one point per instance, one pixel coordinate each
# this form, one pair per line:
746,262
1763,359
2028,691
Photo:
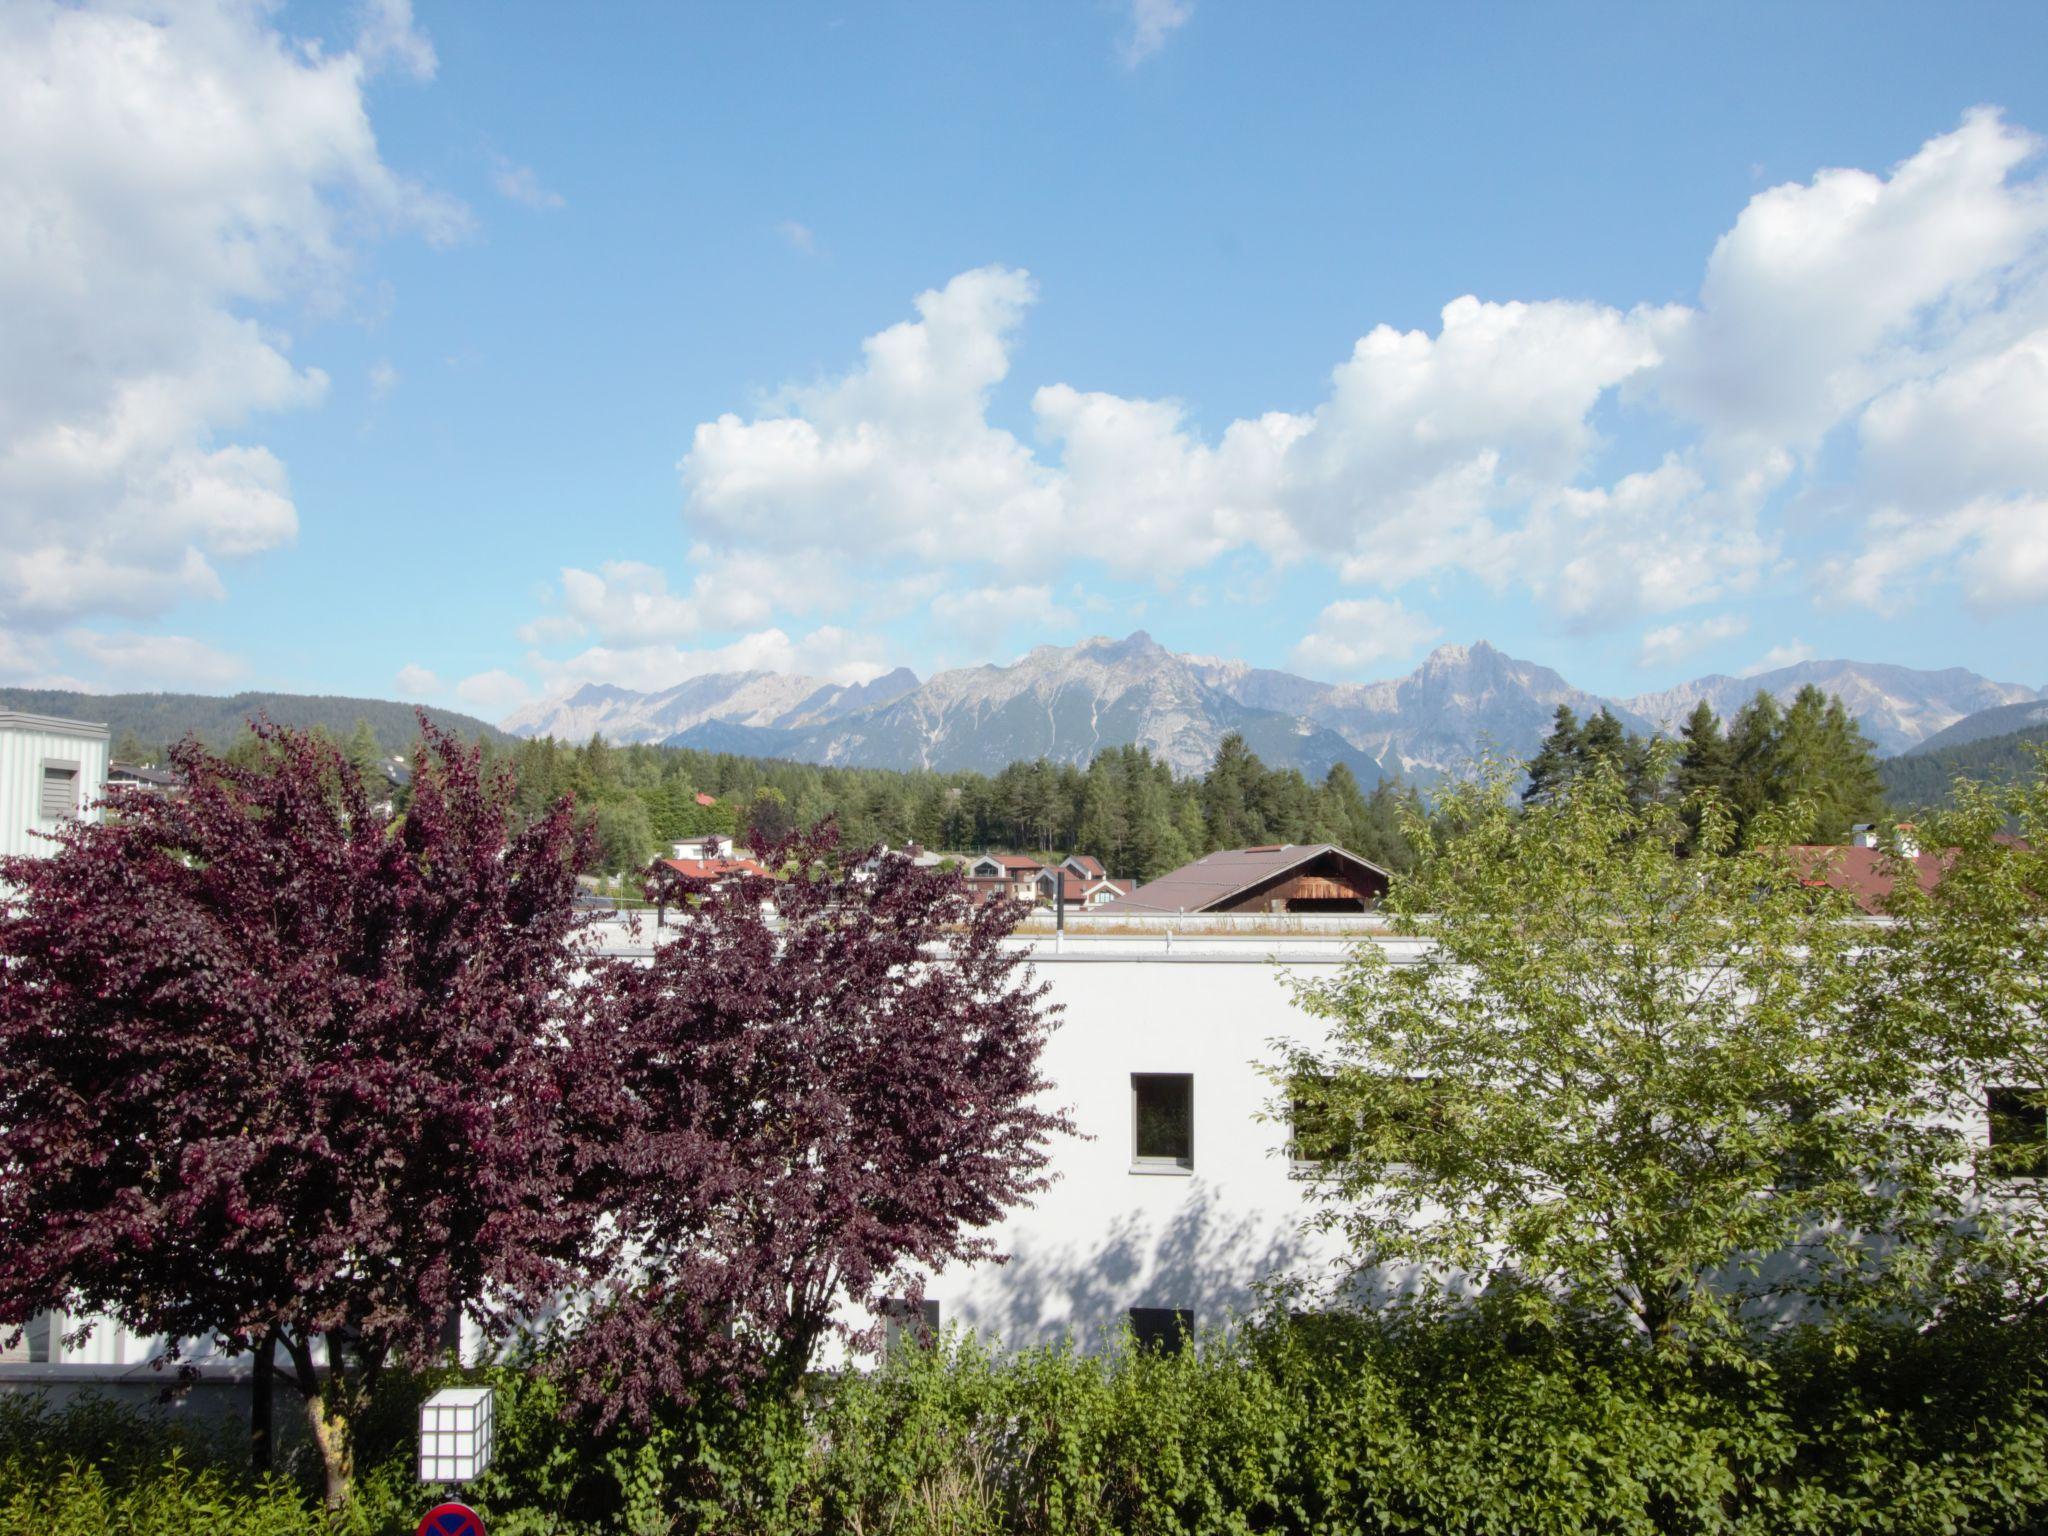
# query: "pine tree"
1754,781
1555,759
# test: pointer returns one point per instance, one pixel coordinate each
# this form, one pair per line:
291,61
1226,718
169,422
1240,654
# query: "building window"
904,1324
1322,1132
60,792
38,1344
1162,1120
2019,1130
1166,1329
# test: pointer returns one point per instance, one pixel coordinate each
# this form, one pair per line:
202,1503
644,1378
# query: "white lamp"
455,1435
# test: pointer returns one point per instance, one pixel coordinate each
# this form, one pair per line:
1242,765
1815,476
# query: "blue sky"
472,352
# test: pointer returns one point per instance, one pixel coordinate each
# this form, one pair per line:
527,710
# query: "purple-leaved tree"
283,1072
820,1083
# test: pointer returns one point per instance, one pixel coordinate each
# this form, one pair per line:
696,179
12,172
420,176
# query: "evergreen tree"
1555,759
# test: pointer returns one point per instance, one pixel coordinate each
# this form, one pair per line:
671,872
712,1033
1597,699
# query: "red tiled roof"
1072,887
704,799
1862,872
1014,863
1088,864
714,869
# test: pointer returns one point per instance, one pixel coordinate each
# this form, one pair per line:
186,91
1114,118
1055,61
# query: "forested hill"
1126,807
154,720
1922,779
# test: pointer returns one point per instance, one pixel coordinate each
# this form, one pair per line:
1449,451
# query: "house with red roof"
991,876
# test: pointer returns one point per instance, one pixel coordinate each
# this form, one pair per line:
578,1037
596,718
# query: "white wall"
1106,1238
26,743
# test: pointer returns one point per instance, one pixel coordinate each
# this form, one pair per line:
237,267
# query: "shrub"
1403,1422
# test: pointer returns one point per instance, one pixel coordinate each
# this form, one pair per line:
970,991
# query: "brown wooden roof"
1212,880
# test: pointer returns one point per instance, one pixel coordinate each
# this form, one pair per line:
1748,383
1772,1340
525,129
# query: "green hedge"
1327,1426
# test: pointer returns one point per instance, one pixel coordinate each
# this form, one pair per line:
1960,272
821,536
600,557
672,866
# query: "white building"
51,771
1179,1196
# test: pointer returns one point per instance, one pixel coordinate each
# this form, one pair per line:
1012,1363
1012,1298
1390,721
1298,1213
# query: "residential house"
1292,878
991,876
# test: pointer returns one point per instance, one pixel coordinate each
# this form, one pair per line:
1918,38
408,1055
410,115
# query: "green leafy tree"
1630,1082
1966,961
624,833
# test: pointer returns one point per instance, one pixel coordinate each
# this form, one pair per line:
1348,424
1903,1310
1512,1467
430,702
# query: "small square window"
60,792
38,1344
1166,1329
1162,1120
2019,1129
904,1324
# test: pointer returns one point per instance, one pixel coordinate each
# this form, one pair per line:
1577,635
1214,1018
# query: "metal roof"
1218,876
52,725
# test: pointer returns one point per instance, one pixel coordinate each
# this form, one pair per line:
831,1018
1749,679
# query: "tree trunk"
260,1418
325,1419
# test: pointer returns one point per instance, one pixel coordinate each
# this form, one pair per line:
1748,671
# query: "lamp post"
456,1434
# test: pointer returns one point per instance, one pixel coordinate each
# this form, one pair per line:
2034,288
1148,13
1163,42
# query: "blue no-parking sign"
451,1520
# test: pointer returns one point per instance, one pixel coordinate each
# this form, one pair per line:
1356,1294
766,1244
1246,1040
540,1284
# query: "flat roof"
52,725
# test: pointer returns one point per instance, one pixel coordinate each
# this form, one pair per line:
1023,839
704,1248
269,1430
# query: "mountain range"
1069,702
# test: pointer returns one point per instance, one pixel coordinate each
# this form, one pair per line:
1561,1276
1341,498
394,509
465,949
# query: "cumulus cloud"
1674,642
628,602
1909,304
829,652
1822,293
897,457
1149,25
417,682
1902,314
156,661
980,617
1357,635
1791,652
494,693
172,177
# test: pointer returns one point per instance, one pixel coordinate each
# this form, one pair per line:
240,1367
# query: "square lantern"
455,1435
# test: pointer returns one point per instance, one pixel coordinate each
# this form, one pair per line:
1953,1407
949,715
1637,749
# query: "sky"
468,353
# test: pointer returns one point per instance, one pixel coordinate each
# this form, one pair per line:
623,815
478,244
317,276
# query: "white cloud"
388,37
519,184
828,652
1674,642
896,458
1779,656
801,237
627,602
1995,548
1151,23
1958,466
1354,636
493,694
417,682
1911,305
551,629
155,661
980,617
383,379
172,176
1820,294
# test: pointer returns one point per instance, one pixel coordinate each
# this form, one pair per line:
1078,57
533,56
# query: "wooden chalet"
1290,878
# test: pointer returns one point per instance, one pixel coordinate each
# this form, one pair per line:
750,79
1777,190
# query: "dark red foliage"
817,1084
274,1064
